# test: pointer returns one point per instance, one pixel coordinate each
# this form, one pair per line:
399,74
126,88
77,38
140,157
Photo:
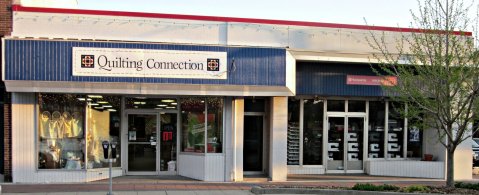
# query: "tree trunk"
450,169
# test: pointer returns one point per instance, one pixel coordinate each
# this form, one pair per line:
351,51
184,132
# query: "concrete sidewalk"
181,185
160,192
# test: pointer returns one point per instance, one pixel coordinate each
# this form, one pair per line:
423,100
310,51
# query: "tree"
437,67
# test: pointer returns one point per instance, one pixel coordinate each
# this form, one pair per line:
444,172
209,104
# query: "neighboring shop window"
215,124
103,122
313,132
336,106
377,111
414,138
395,137
293,131
356,106
61,135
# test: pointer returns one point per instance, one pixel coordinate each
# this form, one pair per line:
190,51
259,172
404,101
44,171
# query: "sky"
376,12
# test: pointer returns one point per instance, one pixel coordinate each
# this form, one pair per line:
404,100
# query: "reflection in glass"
414,138
193,125
215,124
376,129
313,132
336,143
103,119
61,135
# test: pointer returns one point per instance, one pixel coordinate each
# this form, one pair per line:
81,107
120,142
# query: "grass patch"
372,187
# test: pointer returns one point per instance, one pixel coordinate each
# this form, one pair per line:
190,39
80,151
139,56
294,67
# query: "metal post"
110,162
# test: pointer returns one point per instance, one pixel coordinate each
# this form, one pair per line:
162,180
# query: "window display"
61,136
395,131
193,125
103,122
215,124
293,131
194,116
414,138
313,132
376,129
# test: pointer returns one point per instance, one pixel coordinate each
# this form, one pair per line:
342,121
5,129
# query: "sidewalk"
181,185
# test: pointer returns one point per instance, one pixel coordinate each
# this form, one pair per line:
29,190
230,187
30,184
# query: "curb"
260,190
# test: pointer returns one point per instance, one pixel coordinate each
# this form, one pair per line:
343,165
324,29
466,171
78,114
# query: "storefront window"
356,106
313,132
293,131
215,124
395,130
193,125
414,138
376,129
336,106
61,135
103,123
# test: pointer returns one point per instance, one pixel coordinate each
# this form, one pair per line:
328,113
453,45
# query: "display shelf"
394,138
293,144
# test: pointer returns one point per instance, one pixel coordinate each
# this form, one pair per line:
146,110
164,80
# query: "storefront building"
208,98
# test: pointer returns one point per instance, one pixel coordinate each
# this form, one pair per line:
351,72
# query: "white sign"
112,62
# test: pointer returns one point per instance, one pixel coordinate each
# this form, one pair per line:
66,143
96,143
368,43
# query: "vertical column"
238,131
278,170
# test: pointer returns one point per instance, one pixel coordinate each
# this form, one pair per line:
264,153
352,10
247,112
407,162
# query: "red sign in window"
371,80
167,136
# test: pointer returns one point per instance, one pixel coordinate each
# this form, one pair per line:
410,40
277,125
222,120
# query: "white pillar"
463,160
238,131
278,170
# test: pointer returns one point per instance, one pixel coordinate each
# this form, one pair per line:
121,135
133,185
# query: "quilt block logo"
213,64
87,61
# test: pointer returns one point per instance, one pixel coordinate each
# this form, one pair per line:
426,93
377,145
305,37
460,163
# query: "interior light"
159,108
162,105
81,99
170,107
99,107
95,96
93,104
89,99
103,102
143,103
107,106
137,103
112,110
168,101
174,103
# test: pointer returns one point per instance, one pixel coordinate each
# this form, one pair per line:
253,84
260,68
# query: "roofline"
21,8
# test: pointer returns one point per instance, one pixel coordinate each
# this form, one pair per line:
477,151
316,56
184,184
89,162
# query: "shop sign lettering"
116,62
371,80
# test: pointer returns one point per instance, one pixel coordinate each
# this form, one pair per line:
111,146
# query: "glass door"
253,143
345,144
168,133
335,145
142,143
355,140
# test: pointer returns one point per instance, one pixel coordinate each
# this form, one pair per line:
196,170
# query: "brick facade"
5,30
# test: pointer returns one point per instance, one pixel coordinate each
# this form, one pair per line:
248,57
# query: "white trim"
145,88
3,59
290,72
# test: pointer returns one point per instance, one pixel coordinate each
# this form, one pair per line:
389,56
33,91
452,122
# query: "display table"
406,168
